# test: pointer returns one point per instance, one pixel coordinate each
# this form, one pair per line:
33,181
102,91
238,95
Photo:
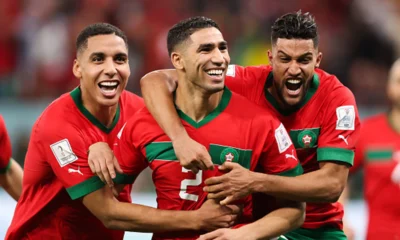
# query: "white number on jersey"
190,182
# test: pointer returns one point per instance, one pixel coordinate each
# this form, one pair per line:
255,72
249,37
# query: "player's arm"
10,170
157,90
134,217
11,179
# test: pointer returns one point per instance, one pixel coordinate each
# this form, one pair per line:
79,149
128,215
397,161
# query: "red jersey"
57,172
236,131
379,151
325,127
5,147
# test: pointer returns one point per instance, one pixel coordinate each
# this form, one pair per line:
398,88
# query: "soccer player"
232,128
10,170
317,110
61,198
378,151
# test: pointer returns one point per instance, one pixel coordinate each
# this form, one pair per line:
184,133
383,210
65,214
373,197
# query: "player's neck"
195,101
104,114
394,118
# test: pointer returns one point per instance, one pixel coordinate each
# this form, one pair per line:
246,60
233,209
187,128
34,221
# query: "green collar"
226,97
310,92
76,95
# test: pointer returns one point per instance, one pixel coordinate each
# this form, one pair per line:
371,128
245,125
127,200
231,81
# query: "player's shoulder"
61,115
2,124
131,101
259,70
330,86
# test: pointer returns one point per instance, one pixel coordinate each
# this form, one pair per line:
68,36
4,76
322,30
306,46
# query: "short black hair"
295,25
98,29
181,31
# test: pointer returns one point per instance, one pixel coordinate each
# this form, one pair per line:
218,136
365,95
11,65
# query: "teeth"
215,72
109,84
294,81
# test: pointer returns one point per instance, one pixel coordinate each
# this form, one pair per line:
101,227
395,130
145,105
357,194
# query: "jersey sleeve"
246,80
130,158
340,128
5,147
65,150
279,155
359,153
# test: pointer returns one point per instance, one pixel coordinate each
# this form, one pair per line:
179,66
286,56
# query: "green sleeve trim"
4,170
84,188
124,178
94,183
335,154
298,170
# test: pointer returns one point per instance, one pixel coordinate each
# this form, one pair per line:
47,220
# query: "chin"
109,102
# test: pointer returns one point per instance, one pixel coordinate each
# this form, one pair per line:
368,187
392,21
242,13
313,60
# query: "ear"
76,69
177,61
269,53
319,59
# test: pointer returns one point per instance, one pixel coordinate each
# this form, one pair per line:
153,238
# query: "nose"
109,68
294,69
217,57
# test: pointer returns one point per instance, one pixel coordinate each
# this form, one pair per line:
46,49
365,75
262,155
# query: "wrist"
260,180
181,134
194,221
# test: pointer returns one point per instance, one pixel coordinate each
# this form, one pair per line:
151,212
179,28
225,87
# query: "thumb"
227,200
227,166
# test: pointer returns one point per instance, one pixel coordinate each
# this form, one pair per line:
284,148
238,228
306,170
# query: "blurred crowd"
37,40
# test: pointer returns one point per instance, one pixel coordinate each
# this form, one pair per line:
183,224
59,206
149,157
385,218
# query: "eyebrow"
301,56
101,54
210,45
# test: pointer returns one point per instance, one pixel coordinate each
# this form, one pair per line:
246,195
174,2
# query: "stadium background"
359,40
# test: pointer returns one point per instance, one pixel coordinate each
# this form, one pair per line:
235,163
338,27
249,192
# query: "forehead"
207,35
395,73
294,47
107,44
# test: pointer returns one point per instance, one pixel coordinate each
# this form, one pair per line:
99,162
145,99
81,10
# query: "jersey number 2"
190,182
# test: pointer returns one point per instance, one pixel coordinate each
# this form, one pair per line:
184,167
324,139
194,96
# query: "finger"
97,170
227,166
194,169
235,209
200,165
214,188
219,195
117,166
215,180
92,167
105,173
206,160
211,235
228,200
110,168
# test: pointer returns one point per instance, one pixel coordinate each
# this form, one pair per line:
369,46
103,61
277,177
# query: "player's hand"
212,215
231,186
226,234
102,162
191,154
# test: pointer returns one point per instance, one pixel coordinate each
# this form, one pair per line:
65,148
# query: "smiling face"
103,70
204,59
293,62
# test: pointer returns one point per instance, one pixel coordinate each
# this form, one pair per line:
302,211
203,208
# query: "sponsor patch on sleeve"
345,117
63,152
282,138
231,71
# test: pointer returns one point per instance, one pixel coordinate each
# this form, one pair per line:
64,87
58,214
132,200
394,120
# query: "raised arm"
157,90
11,179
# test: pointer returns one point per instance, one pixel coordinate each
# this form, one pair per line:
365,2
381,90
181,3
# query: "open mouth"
293,86
215,73
109,88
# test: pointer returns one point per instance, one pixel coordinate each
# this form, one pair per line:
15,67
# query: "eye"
97,59
284,59
121,59
304,61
